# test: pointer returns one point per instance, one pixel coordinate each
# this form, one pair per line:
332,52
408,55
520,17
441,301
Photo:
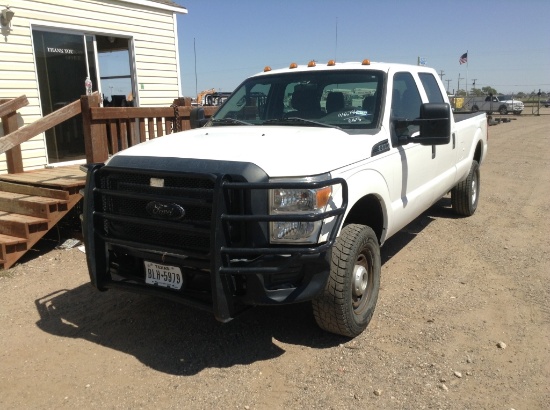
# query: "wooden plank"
28,131
110,113
13,105
34,190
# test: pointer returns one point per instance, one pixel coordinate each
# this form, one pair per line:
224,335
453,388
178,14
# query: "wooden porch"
33,202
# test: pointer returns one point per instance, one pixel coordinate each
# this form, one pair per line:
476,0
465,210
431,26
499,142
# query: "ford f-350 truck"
503,104
287,193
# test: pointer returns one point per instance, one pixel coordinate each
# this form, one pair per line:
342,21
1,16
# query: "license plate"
165,276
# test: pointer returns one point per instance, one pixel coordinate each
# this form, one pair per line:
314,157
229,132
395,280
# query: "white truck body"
381,175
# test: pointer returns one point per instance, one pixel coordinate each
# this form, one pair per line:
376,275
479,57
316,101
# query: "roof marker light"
311,63
267,68
331,63
293,65
366,61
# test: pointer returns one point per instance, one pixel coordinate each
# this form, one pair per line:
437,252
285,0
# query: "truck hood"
279,150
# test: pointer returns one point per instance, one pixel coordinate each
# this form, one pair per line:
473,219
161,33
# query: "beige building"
128,49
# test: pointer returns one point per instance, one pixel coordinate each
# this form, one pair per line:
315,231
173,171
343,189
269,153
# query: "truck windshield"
348,99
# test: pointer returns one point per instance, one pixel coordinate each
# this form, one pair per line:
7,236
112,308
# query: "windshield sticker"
353,113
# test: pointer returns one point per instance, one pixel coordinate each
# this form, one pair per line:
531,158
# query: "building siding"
151,28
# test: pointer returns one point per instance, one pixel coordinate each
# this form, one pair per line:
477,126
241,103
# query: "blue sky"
508,42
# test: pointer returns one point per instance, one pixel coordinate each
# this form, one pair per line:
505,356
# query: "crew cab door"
424,170
444,157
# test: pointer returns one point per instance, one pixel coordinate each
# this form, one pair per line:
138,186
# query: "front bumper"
221,246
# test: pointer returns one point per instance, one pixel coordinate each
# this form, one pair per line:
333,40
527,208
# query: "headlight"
292,201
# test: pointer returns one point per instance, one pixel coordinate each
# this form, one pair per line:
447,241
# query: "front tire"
347,303
465,195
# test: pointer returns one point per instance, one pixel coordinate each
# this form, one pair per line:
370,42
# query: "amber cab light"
366,61
293,65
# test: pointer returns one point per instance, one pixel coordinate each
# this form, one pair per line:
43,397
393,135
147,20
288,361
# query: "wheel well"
367,211
478,153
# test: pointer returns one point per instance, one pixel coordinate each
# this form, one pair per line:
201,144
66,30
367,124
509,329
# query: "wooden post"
95,134
14,159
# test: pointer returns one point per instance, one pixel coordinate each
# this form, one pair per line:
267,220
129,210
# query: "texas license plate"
165,276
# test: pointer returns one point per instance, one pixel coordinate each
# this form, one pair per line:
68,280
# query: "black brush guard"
231,247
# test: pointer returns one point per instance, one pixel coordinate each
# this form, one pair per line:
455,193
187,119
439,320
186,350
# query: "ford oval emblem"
162,210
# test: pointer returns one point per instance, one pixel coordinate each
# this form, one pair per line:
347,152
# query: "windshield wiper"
229,121
297,120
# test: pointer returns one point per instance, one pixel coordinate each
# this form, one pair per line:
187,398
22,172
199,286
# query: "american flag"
463,58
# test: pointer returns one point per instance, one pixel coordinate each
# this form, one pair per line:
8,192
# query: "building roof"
169,3
163,4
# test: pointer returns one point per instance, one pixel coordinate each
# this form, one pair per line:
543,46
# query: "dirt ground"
462,322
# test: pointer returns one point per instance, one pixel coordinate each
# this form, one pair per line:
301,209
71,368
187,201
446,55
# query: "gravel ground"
462,322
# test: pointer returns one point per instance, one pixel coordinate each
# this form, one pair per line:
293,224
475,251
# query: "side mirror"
435,129
434,122
196,117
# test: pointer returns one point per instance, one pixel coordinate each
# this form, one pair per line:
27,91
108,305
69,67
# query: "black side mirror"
196,117
436,127
434,122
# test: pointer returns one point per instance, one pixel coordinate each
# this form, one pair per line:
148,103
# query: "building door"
63,61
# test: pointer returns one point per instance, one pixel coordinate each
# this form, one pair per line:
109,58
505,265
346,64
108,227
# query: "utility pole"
474,83
458,85
441,74
448,81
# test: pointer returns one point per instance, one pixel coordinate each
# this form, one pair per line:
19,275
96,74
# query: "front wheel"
347,303
465,195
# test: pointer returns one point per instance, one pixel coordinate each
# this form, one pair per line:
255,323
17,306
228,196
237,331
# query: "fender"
362,183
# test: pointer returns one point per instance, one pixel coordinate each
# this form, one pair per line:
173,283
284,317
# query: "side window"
431,87
406,100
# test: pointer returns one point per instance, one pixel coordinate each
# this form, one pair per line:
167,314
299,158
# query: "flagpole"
467,62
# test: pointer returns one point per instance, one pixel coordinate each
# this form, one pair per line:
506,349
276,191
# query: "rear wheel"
503,110
475,108
465,195
347,303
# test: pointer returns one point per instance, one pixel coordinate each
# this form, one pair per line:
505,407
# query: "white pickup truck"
287,194
503,104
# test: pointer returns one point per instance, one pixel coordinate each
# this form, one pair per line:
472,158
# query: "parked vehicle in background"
287,193
503,104
546,103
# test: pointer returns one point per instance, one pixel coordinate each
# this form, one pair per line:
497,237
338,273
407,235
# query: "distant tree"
476,92
489,90
521,94
461,93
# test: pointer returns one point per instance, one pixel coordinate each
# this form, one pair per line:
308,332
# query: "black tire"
347,303
475,108
517,112
465,195
503,110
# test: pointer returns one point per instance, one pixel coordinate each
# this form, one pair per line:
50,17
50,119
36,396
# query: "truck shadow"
174,339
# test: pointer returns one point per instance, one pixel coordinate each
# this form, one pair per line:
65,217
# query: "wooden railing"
107,130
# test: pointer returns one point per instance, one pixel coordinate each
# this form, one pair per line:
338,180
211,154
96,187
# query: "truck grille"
124,202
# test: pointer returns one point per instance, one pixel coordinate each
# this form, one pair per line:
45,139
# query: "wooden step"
11,244
21,225
38,206
34,190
